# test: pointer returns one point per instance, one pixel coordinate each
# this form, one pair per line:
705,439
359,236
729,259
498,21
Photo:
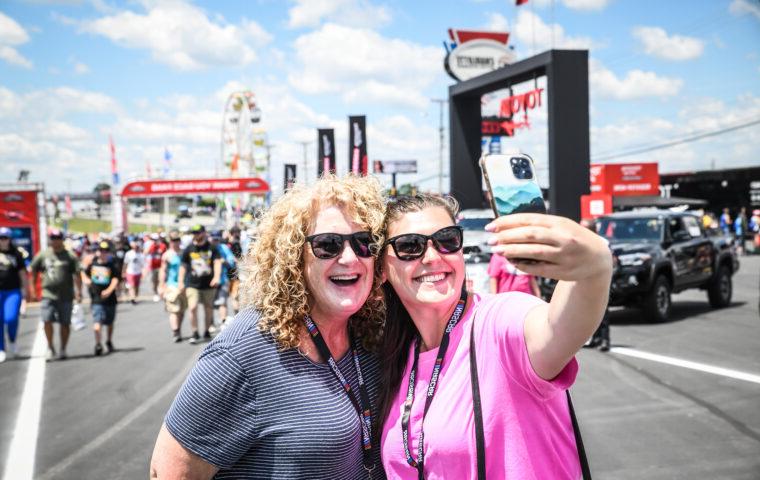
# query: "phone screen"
512,184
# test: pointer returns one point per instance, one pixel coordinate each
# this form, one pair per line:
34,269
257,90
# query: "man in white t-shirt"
134,262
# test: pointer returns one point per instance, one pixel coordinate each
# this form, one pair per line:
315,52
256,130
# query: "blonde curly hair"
272,277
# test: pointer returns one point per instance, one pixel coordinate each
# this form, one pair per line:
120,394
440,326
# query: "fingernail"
491,240
489,227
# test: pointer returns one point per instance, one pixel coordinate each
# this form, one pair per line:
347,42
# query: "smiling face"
339,286
433,280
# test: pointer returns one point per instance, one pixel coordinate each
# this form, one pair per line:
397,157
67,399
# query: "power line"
676,142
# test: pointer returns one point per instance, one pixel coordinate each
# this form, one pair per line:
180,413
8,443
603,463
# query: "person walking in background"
175,300
223,290
134,263
199,275
740,229
725,222
154,249
102,277
233,241
505,277
60,277
13,287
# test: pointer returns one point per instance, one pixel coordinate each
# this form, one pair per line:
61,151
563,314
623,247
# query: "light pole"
440,102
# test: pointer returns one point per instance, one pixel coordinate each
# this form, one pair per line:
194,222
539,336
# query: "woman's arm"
580,260
173,461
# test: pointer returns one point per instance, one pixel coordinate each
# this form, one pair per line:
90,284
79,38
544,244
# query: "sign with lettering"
158,188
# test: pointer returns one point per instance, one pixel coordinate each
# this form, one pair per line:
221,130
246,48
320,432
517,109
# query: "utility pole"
440,103
269,148
305,146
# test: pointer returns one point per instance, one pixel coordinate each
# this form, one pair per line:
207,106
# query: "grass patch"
89,225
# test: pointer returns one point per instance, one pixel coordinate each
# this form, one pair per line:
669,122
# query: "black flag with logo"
357,145
290,176
326,142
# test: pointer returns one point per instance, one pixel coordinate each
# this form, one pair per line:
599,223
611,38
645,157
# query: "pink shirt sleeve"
496,265
503,318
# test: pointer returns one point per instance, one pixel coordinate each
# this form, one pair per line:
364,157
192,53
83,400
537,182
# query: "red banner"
595,205
158,188
18,211
625,179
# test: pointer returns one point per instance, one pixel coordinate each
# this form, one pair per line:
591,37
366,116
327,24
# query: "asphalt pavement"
660,418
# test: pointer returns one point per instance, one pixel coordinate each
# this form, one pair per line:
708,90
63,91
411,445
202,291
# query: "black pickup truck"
656,253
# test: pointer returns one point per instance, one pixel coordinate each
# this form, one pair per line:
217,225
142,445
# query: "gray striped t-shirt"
256,412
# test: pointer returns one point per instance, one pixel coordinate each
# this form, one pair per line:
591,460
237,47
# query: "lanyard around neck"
419,463
362,405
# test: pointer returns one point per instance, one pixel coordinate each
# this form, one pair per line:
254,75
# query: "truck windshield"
474,223
630,228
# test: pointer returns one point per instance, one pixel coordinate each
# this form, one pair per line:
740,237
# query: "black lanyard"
419,463
363,408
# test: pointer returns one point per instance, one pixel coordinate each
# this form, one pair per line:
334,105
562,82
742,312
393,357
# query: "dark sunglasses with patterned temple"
330,245
411,246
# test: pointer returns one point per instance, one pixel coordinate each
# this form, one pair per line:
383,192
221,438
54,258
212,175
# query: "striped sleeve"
214,413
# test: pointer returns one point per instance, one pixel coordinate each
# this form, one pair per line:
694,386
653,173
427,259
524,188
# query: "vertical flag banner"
290,176
357,145
326,156
114,168
119,222
167,163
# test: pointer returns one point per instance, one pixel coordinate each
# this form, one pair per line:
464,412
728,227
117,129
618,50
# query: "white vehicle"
477,252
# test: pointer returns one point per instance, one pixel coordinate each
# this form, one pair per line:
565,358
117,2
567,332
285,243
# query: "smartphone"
512,184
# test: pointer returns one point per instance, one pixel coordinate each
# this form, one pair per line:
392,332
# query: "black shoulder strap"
480,442
578,440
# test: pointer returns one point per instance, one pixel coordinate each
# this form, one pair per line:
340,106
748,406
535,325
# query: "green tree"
98,190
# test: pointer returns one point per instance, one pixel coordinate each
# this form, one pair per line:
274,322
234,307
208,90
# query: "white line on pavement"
58,469
20,462
702,367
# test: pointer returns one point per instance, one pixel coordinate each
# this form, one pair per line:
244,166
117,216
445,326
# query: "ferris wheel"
240,133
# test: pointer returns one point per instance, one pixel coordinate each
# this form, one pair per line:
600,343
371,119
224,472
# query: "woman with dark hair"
13,288
521,349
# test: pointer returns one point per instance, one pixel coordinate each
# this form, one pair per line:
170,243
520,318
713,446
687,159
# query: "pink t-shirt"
528,432
508,277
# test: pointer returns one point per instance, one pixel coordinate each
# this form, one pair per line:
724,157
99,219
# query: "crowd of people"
184,269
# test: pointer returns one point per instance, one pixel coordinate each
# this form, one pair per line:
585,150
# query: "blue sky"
156,75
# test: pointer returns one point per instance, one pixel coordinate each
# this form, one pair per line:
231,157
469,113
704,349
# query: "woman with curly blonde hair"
289,389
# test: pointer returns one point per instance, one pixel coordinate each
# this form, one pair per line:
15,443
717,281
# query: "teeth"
432,278
344,277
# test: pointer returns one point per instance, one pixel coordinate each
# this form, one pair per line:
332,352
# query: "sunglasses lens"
326,245
448,240
410,246
361,242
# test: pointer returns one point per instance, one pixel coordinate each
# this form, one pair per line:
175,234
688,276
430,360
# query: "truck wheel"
657,304
720,290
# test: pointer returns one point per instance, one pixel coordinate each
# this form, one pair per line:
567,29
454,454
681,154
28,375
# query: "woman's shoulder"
504,308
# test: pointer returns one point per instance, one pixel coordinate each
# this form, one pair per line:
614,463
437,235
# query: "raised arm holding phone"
524,348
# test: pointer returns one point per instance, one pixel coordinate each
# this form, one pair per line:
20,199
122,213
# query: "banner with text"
290,176
357,145
326,155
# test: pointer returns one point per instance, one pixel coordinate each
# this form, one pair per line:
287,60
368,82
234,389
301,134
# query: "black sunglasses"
330,245
411,246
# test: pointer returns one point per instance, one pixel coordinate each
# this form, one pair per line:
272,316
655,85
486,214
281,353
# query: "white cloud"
11,35
81,68
658,43
181,35
740,7
497,22
358,13
635,84
530,27
340,59
587,5
57,102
